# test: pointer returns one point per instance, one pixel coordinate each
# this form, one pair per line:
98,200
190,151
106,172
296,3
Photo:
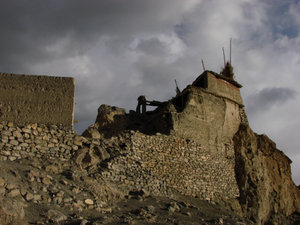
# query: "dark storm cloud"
153,46
50,35
267,98
28,27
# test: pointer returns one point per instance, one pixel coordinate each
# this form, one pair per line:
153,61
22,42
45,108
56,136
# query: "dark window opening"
201,82
180,102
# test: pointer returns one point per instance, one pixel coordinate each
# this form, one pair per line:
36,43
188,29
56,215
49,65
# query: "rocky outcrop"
110,121
264,178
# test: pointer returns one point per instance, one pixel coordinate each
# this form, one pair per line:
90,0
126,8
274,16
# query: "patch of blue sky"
282,22
181,30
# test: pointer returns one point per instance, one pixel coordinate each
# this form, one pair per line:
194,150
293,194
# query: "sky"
119,49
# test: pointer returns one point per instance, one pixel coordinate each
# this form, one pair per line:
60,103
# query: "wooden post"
203,64
230,52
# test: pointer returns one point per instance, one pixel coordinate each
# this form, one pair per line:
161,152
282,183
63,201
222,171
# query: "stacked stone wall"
160,164
37,141
164,164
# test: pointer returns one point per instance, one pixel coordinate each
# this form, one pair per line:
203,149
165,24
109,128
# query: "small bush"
228,71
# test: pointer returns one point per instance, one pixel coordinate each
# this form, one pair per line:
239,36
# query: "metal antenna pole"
230,52
224,56
203,64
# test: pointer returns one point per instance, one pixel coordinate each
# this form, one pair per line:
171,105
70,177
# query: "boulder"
11,210
110,121
13,193
92,132
93,155
56,216
89,201
2,182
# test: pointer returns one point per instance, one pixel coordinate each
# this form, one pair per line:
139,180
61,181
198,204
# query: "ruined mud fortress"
198,143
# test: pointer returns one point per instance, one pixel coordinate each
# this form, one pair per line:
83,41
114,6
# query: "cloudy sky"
120,49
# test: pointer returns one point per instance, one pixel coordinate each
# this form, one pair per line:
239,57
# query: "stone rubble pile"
41,188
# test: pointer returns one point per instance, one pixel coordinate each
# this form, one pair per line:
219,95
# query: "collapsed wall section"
37,99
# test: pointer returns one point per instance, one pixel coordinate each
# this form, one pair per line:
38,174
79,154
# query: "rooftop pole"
224,56
203,64
230,52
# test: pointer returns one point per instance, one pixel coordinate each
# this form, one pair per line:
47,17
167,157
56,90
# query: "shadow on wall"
112,120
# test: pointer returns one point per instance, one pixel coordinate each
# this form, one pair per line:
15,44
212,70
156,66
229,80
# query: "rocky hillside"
35,192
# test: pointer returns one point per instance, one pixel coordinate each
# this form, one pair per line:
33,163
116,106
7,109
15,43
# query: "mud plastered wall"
37,99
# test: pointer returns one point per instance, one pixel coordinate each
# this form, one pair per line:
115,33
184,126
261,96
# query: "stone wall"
160,164
163,165
37,99
33,141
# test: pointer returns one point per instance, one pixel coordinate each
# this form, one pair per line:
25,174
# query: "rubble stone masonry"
166,164
33,141
160,164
